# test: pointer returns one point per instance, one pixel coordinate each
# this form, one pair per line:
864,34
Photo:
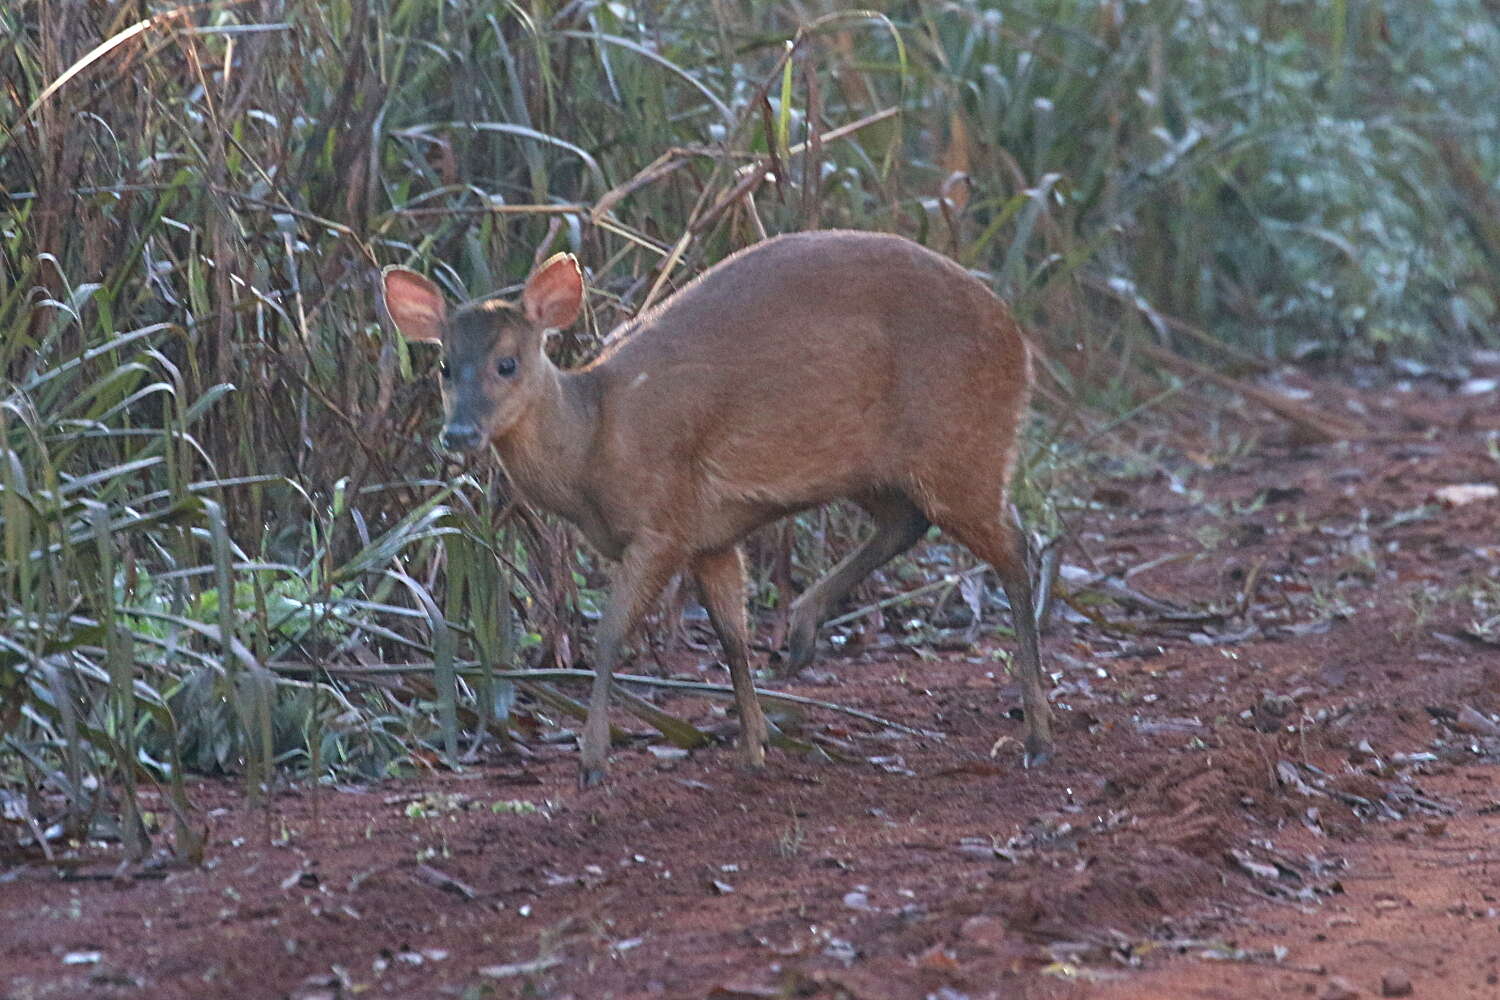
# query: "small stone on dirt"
840,951
986,932
1471,721
1339,988
1395,983
1478,386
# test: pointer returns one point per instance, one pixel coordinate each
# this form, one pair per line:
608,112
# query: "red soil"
1289,764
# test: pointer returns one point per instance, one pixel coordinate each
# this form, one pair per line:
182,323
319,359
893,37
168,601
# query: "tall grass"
218,495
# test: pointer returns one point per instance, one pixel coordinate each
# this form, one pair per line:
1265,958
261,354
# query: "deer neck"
546,454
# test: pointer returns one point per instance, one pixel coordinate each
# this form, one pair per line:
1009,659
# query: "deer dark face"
493,365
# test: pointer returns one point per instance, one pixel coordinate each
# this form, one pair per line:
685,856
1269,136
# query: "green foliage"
197,398
1336,214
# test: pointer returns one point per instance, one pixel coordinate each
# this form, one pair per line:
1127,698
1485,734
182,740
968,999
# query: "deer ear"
554,292
414,304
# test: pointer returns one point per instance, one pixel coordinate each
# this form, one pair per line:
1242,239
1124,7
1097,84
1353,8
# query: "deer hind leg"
721,582
645,568
1001,542
899,524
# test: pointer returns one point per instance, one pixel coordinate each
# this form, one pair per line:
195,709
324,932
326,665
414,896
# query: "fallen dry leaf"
1465,493
938,959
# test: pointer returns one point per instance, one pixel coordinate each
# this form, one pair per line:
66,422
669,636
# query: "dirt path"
1418,914
1285,740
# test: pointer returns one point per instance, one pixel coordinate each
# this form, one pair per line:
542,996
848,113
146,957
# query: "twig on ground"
529,677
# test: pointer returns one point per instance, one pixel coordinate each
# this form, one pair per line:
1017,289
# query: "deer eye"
506,366
447,372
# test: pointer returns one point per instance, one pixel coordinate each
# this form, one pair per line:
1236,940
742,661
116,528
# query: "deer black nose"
460,437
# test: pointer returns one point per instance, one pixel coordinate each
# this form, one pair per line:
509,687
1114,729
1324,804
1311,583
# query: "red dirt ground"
1277,779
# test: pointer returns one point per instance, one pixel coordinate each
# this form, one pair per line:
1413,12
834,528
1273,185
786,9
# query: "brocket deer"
804,369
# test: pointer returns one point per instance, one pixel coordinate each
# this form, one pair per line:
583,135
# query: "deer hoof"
753,755
1038,753
801,645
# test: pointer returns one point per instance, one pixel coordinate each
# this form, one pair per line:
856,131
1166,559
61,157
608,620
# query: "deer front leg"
644,569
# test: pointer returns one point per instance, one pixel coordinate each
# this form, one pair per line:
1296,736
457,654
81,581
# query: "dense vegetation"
219,499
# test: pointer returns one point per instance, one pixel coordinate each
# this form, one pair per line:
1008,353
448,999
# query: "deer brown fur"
804,369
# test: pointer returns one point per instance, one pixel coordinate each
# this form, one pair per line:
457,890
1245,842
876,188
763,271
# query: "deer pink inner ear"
554,293
415,305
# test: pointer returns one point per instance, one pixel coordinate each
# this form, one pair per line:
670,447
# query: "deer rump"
805,369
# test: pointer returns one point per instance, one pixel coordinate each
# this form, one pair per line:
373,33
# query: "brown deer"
804,369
